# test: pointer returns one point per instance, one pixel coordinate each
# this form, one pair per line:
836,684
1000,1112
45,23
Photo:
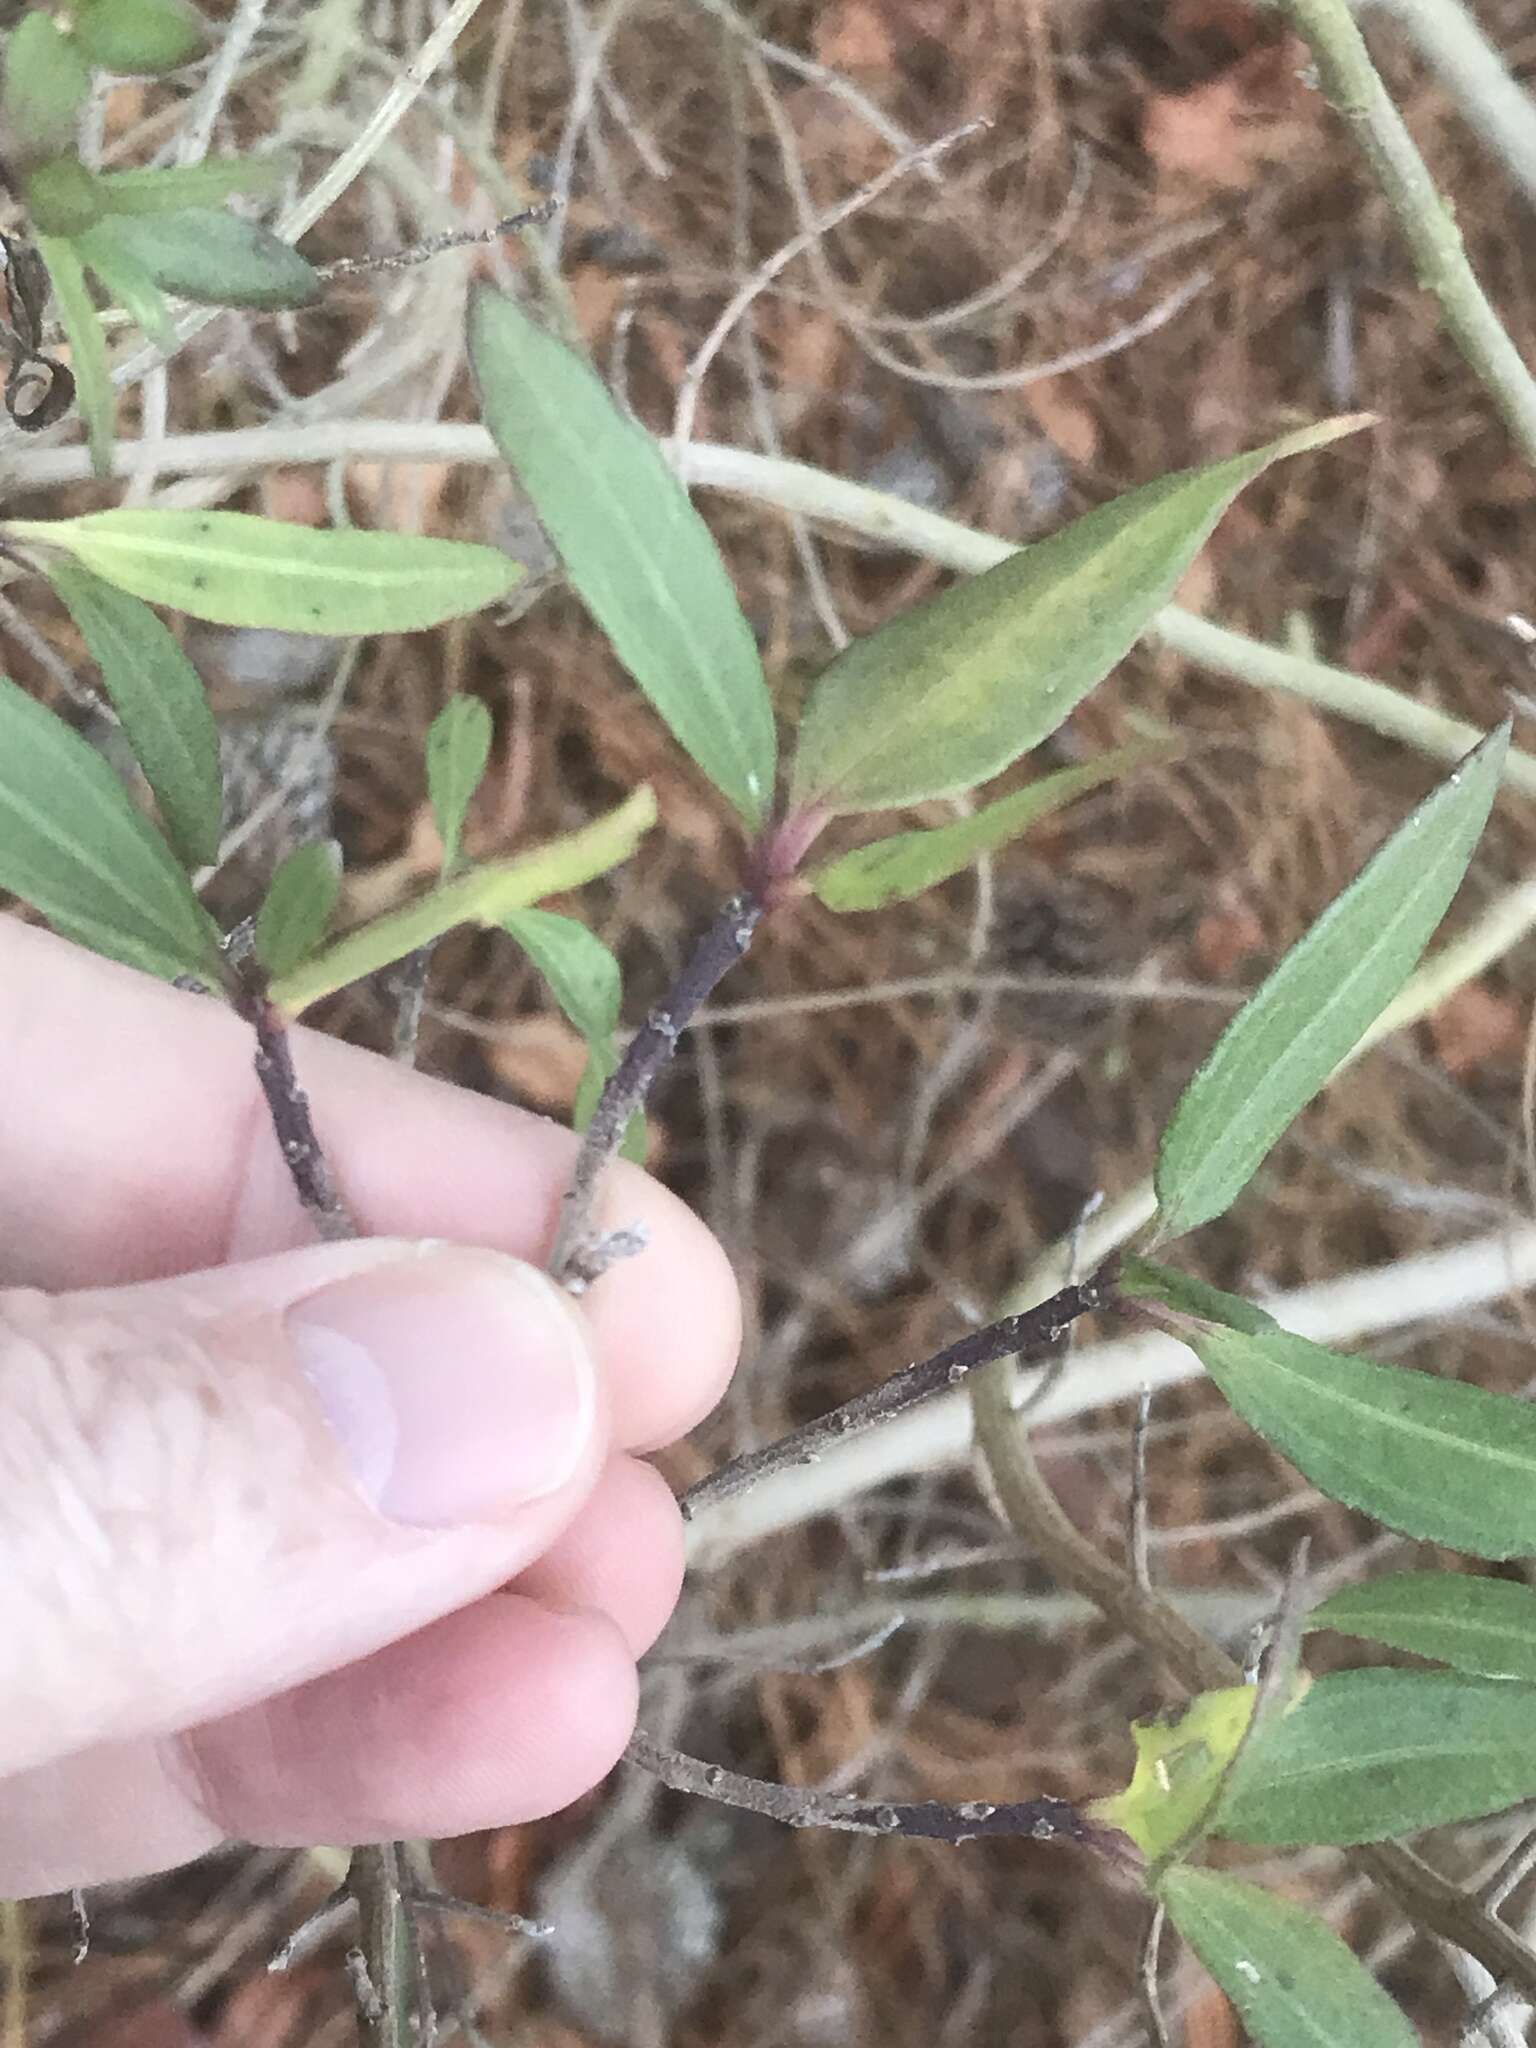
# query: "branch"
934,1820
1350,81
1034,1334
1035,1514
580,1252
292,1124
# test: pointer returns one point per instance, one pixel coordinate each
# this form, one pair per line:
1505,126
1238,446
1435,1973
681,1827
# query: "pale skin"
211,1634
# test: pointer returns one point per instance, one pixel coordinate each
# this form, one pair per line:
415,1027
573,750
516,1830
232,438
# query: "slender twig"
580,1253
1147,1964
687,404
387,1972
435,245
80,1924
1493,104
410,997
466,1909
1349,78
1034,1513
292,1124
1033,1335
935,1820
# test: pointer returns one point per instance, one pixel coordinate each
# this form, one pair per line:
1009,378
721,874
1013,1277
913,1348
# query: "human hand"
261,1499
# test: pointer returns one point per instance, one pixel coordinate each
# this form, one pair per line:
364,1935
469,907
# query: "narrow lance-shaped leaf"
584,980
1286,1041
133,36
640,557
121,274
583,975
1433,1457
1366,1755
160,698
239,570
1485,1626
46,84
1293,1982
909,862
298,906
946,696
458,747
485,896
87,348
175,187
73,846
218,259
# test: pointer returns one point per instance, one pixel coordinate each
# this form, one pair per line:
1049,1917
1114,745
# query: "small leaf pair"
581,973
930,705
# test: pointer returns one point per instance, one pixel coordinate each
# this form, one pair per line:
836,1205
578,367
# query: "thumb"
214,1487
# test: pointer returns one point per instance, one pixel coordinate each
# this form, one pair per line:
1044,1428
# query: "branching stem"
1034,1513
934,1820
1034,1334
578,1256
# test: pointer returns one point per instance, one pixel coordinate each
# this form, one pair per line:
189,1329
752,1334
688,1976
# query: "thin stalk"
579,1254
1034,1335
1350,80
1492,103
934,1820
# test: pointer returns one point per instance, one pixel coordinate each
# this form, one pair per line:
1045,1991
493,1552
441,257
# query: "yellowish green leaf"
239,570
946,696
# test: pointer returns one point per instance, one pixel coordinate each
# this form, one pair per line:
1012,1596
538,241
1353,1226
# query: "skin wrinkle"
140,1405
144,1448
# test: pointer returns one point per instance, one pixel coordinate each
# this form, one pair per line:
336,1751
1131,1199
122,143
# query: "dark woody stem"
935,1820
579,1254
292,1124
1032,1335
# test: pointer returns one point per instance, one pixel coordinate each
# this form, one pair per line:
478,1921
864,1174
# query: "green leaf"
178,186
1487,1626
62,196
87,348
947,695
73,846
160,698
1435,1458
640,557
583,975
1366,1755
238,570
484,896
46,85
1288,1038
1443,1461
124,277
298,906
219,259
1179,1768
1293,1982
458,747
909,862
139,36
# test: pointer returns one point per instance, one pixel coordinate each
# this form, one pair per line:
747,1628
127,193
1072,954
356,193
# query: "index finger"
135,1144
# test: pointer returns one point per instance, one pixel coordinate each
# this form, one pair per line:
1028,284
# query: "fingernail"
459,1385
